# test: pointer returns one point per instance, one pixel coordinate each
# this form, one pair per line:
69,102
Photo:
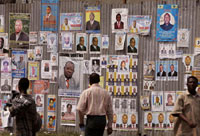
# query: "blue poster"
49,15
167,23
19,61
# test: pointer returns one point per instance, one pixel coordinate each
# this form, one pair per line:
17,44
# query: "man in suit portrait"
149,119
131,47
19,64
81,46
49,20
94,47
67,81
161,72
167,25
172,72
161,123
119,24
6,86
19,35
92,24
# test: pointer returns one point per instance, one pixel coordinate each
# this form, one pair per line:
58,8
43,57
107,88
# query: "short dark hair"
2,42
118,15
23,84
69,105
94,78
49,7
196,80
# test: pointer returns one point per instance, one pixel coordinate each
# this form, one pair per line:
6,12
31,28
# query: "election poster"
38,52
71,21
30,54
148,120
54,76
70,75
43,37
81,43
169,100
161,70
183,38
19,62
51,121
123,64
188,61
95,65
41,87
170,120
105,42
54,59
197,46
51,103
33,70
33,38
49,15
159,120
6,67
145,102
19,30
95,43
67,40
52,42
119,20
68,111
132,44
138,24
92,18
149,70
4,43
157,100
167,22
119,41
15,84
46,69
1,23
6,85
39,101
173,70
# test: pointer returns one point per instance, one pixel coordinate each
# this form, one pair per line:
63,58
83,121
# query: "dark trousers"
95,125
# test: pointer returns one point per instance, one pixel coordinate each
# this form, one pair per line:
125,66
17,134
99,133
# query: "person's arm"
189,122
81,117
109,115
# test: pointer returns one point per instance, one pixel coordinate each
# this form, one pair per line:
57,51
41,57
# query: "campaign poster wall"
167,22
71,21
19,61
92,18
49,15
19,24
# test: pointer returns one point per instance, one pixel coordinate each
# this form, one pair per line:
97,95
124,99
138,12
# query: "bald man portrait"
19,35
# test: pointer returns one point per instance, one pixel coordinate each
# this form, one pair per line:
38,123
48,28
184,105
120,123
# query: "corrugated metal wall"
189,17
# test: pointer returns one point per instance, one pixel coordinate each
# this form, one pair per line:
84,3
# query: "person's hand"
109,131
191,124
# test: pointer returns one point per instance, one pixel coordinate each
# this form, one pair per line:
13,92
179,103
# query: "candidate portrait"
49,20
19,34
80,46
119,24
92,24
167,22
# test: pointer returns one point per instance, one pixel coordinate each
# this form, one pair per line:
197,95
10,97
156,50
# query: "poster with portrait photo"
19,30
81,43
169,100
19,62
110,89
183,38
95,66
145,102
70,21
68,111
172,70
197,46
148,85
138,24
104,61
67,40
167,22
123,64
117,91
149,70
38,52
112,63
105,42
119,20
157,100
39,101
160,120
51,121
70,75
170,120
6,67
132,104
163,51
33,70
95,43
133,64
41,113
133,121
49,15
188,61
51,107
133,90
119,41
15,82
54,59
46,69
116,120
161,70
52,42
43,37
3,43
41,87
86,66
31,54
92,18
33,38
171,51
1,23
148,120
132,44
6,85
54,76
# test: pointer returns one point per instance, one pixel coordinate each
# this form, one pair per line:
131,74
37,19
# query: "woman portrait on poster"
38,101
